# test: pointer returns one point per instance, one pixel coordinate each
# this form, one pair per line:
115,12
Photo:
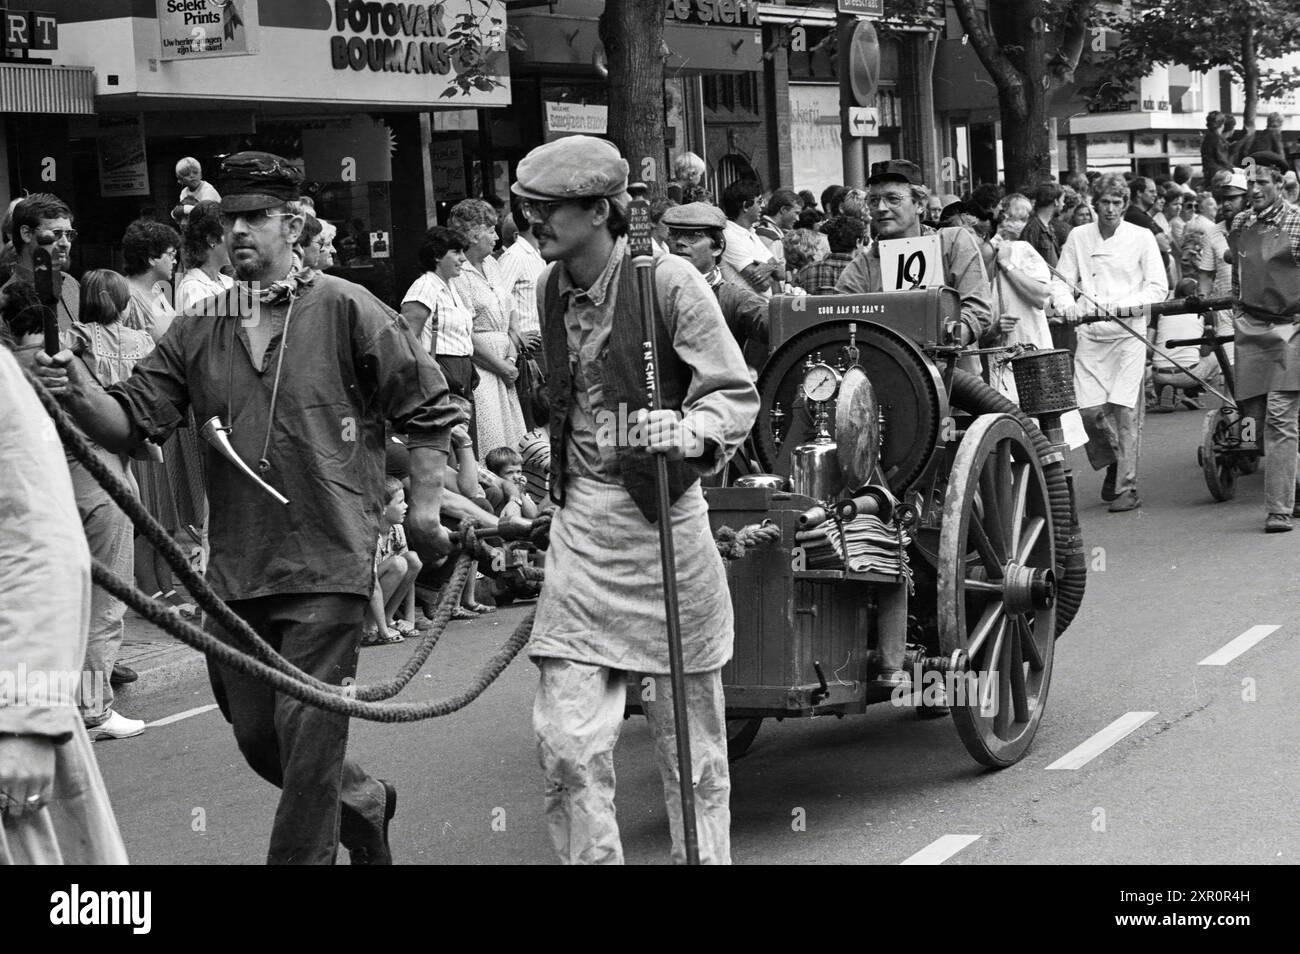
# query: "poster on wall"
123,165
815,150
447,159
202,28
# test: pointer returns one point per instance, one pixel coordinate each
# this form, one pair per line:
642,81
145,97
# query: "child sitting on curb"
396,567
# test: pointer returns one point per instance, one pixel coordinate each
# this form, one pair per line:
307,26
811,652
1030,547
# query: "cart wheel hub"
1027,589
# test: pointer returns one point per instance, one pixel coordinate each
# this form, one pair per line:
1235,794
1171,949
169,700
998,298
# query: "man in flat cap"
696,232
896,195
313,427
600,621
1265,244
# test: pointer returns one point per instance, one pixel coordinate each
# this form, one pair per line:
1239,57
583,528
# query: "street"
1208,774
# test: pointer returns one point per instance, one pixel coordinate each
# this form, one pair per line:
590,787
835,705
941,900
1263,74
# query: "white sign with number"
909,263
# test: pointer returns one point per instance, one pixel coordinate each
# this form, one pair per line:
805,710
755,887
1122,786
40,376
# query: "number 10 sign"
909,263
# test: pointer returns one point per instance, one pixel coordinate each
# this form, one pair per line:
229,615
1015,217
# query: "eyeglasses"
62,234
255,219
538,209
891,200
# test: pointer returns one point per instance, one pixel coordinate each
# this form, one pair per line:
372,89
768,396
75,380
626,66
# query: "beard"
250,268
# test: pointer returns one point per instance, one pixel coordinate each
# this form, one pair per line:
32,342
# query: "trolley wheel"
740,736
996,589
1220,477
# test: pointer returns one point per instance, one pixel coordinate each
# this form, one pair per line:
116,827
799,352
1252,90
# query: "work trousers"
1115,437
1281,434
111,540
577,715
297,747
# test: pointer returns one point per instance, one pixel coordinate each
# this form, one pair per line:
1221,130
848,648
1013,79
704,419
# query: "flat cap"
572,167
1269,160
896,170
257,180
694,215
1228,182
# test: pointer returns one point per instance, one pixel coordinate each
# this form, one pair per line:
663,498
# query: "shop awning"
46,89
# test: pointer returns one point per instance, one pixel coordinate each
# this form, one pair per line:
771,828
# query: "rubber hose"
971,394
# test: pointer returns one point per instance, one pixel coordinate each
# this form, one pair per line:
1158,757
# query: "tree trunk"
1021,31
632,32
1249,75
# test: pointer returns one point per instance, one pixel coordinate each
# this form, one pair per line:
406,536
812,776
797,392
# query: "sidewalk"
161,660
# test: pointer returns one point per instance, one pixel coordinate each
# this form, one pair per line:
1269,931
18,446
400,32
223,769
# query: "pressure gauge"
821,382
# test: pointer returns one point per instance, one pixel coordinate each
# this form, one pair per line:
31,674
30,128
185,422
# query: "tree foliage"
1203,35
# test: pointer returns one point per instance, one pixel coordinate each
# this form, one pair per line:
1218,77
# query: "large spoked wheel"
740,736
1220,477
996,596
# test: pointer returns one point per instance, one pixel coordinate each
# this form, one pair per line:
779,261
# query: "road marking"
1083,754
1238,646
168,720
941,849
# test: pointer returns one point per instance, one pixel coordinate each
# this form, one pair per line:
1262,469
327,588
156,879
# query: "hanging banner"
123,165
203,28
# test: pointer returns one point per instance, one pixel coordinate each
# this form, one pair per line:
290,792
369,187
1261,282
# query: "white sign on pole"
864,120
909,263
563,119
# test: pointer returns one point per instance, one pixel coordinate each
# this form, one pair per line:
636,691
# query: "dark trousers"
292,745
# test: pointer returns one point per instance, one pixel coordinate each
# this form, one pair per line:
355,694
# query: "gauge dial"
820,382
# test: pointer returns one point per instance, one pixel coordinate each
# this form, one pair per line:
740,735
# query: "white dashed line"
941,849
1238,646
1083,754
168,720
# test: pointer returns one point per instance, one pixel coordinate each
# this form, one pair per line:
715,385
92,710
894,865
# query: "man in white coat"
1116,264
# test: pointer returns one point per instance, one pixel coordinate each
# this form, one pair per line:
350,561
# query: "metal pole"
643,261
1111,316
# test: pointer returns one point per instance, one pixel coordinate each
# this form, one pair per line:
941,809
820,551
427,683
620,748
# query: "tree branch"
1074,31
1008,79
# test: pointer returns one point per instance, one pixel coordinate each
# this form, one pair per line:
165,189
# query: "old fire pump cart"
928,524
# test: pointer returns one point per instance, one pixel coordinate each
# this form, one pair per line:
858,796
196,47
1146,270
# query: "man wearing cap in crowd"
696,232
1265,245
600,621
313,426
895,197
1212,268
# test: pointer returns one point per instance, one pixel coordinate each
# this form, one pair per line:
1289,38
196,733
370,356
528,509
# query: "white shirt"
1173,327
1124,271
520,265
195,286
204,193
455,322
744,248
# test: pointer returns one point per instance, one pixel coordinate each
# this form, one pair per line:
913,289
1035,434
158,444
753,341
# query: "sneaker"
1108,485
118,726
1128,500
1277,523
1166,405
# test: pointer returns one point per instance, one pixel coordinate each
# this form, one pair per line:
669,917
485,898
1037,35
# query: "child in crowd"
508,464
396,567
520,564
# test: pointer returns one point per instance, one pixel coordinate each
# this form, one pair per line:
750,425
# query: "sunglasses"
64,234
255,219
538,209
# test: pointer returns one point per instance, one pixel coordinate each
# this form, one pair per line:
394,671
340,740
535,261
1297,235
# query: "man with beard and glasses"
46,213
314,427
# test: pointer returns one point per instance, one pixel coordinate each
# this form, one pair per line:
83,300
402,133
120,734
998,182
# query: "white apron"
603,600
1109,370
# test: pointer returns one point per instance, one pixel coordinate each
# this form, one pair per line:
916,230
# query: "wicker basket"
1045,381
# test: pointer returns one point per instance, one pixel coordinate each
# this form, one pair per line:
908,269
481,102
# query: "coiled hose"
971,394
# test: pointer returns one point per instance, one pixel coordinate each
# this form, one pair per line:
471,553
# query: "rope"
338,699
305,687
733,544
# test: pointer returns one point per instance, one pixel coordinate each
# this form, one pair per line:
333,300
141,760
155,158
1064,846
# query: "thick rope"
338,699
208,601
733,544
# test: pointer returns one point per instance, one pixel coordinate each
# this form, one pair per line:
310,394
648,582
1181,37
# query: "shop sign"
123,164
26,30
201,28
733,13
462,40
447,159
563,119
862,8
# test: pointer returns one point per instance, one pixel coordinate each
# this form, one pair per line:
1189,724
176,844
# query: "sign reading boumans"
201,28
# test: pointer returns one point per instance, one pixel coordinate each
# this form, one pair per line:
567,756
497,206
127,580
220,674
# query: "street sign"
863,8
864,62
864,120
